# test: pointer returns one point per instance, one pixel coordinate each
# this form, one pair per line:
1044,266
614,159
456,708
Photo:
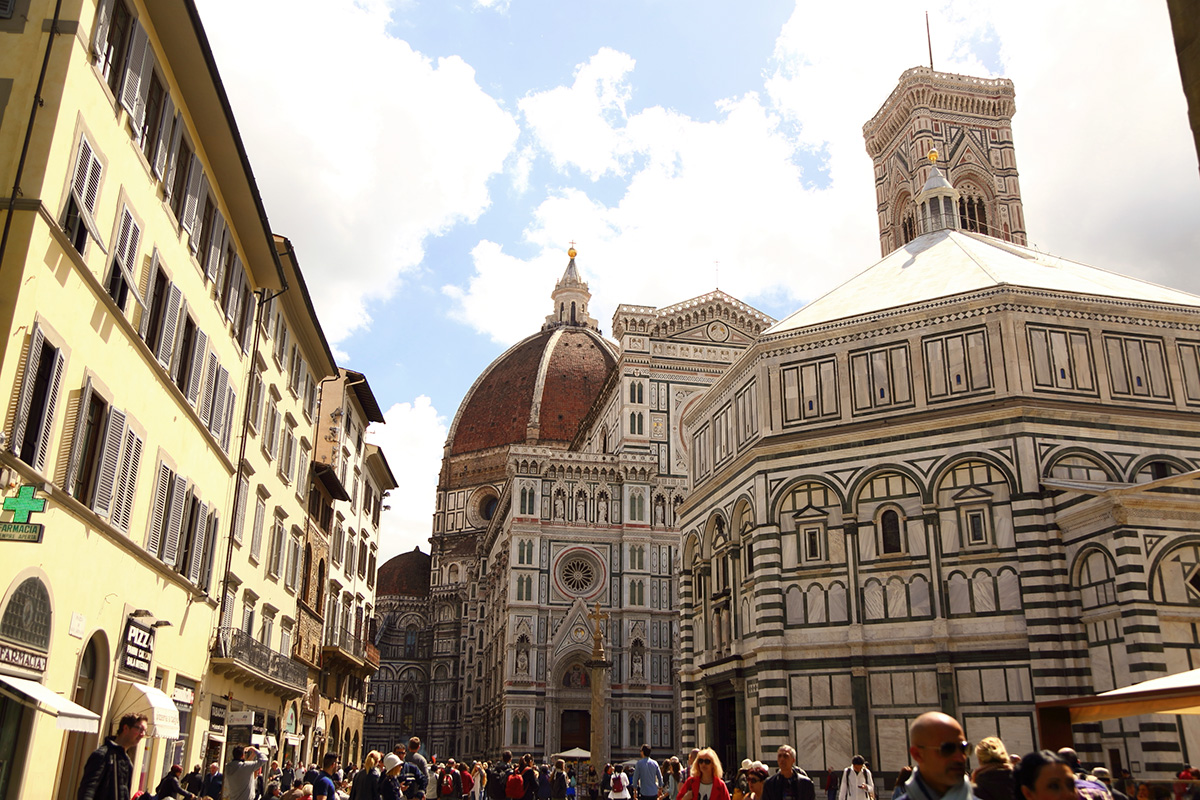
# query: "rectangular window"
256,535
287,460
285,637
183,162
37,401
1061,359
977,527
1137,367
880,377
239,511
110,43
151,106
746,405
275,563
809,390
121,282
302,470
812,544
957,364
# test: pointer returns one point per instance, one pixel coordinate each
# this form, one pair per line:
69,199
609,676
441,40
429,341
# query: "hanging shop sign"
216,718
240,717
138,649
20,529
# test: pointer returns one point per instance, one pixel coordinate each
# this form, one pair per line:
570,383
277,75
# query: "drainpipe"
263,301
38,102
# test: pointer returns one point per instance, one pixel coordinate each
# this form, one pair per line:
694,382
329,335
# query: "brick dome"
536,393
404,575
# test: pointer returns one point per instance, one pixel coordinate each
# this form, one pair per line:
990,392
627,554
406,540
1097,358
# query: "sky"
431,161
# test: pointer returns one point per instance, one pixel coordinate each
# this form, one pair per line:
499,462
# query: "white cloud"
1107,164
362,147
412,441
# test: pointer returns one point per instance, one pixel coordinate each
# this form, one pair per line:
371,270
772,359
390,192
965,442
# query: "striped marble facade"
972,502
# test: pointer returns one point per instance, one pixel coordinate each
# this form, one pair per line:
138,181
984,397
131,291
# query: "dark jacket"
365,785
531,783
287,777
993,781
193,782
802,786
213,785
108,773
169,787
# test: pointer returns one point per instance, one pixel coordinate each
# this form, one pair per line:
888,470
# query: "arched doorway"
91,683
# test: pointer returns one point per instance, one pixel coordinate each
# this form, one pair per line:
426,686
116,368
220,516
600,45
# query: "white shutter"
199,349
260,513
131,88
227,428
206,397
191,199
166,342
100,30
199,536
110,456
33,360
158,509
289,579
127,480
216,241
128,237
174,519
197,231
173,156
219,398
152,279
239,511
85,188
81,415
237,281
165,139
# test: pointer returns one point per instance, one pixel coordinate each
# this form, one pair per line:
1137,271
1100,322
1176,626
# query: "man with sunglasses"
939,749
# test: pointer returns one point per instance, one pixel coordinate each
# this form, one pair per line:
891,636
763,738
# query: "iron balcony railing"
236,644
344,639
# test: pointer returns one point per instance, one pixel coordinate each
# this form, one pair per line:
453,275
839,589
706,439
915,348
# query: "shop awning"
71,716
1172,694
271,743
137,698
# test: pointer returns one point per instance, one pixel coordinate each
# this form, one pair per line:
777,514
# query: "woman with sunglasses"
705,782
755,776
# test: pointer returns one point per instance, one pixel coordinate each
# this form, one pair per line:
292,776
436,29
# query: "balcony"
247,661
344,649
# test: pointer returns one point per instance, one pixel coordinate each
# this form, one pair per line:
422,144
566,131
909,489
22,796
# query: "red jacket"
719,790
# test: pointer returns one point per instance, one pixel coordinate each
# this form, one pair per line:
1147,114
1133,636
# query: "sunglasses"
948,749
703,760
750,779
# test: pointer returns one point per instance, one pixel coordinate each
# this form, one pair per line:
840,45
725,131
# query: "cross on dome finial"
571,252
933,156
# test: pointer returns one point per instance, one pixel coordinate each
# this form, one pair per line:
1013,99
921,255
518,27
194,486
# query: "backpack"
496,782
447,786
618,782
514,787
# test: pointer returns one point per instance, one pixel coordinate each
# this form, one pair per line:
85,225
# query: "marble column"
599,746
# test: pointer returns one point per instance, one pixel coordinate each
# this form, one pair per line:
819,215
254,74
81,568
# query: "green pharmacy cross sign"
24,504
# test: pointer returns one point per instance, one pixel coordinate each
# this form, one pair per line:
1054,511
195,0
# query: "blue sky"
431,161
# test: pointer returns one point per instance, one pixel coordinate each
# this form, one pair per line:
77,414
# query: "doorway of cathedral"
726,730
575,730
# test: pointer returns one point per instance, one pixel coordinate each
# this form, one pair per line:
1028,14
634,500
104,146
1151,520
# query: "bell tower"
969,122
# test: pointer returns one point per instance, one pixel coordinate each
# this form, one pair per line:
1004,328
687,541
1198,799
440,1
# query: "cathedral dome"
405,575
536,393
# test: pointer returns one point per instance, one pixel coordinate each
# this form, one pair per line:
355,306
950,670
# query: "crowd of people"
937,746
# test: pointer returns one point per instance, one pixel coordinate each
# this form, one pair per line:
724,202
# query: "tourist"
214,782
365,784
705,781
543,792
937,746
169,786
900,787
529,776
1102,775
756,776
739,786
296,792
558,781
108,773
241,772
856,783
619,786
323,786
1043,775
993,778
789,783
673,778
194,781
647,777
420,778
591,782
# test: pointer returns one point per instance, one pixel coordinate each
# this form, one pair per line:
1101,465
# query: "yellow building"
133,261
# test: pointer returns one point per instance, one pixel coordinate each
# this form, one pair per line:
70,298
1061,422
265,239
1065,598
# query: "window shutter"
219,399
158,510
174,519
139,116
199,536
81,415
85,188
191,199
25,399
110,455
43,438
138,44
227,428
166,342
199,349
227,611
289,579
214,526
210,383
260,513
249,310
238,280
239,511
173,155
151,280
127,480
274,432
216,242
165,140
128,237
100,30
198,218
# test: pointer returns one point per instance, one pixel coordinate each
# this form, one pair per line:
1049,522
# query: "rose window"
578,575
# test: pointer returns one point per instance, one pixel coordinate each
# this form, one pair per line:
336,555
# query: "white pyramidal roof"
950,262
